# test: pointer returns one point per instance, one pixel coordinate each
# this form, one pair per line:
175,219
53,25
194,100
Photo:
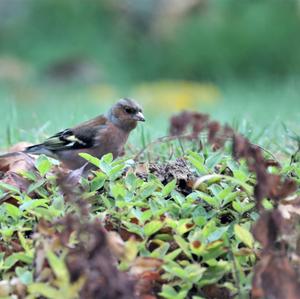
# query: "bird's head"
126,113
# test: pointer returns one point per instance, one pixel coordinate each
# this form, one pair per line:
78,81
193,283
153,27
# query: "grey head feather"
122,103
129,102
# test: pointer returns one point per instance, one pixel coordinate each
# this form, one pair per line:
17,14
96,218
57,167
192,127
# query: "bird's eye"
129,110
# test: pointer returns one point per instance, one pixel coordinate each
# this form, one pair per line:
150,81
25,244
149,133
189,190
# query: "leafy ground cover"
202,213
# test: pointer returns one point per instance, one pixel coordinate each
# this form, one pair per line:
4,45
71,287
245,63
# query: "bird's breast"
112,140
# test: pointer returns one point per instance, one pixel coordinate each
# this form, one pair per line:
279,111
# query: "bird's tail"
32,150
39,149
8,155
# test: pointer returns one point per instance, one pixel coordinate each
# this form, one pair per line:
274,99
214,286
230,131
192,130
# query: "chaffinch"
97,137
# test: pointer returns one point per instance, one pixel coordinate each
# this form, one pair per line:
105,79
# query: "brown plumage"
97,137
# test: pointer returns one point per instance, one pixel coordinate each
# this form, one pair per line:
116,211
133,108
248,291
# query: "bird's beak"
139,117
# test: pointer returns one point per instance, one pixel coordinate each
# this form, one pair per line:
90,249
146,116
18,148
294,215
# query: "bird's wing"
79,137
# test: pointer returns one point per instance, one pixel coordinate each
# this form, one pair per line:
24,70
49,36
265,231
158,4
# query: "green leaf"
267,204
118,190
43,164
175,270
146,215
194,272
214,159
58,266
244,235
131,227
214,273
93,160
168,188
199,216
116,171
217,234
36,185
148,189
98,182
178,197
183,226
12,210
43,289
198,162
24,275
8,187
168,292
218,177
242,207
105,163
172,255
212,250
160,251
240,175
152,227
58,203
7,232
213,201
24,242
29,175
33,203
183,245
17,257
108,158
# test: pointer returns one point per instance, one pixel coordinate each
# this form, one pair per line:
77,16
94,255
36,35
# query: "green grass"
35,110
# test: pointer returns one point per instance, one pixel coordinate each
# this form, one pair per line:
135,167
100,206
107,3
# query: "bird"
99,136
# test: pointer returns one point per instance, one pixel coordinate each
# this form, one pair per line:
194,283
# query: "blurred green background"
62,61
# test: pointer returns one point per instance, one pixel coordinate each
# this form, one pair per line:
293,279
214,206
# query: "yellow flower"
177,95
